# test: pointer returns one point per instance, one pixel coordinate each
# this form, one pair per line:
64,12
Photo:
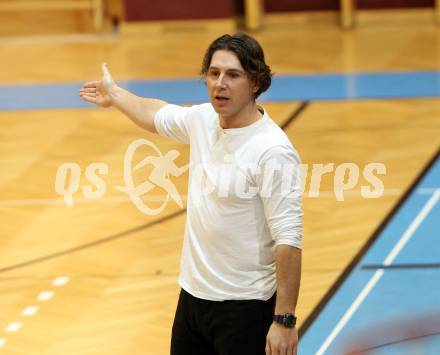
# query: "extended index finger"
91,84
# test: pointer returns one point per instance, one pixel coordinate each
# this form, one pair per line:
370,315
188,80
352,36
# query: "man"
241,258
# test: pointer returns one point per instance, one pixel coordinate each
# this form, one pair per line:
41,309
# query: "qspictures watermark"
227,179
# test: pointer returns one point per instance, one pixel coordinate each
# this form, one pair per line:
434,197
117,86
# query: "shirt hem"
204,296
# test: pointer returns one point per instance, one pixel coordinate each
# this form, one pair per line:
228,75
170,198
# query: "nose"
220,82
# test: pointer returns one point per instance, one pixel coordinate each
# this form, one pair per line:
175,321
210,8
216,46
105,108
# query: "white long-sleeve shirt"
244,199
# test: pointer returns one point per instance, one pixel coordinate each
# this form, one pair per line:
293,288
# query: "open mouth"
221,98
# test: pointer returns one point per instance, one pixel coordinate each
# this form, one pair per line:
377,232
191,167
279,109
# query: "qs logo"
68,176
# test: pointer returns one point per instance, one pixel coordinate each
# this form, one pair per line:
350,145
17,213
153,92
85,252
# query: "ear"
255,88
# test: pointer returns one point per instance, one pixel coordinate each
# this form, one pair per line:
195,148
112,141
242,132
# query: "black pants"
204,327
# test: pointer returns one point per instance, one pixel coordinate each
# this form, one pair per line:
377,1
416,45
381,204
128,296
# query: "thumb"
107,77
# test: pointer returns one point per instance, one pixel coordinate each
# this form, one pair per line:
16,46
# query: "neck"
245,117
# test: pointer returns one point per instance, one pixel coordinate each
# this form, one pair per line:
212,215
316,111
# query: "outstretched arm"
107,93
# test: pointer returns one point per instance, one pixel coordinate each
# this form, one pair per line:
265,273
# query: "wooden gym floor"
102,275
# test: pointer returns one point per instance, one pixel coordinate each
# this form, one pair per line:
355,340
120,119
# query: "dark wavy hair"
249,53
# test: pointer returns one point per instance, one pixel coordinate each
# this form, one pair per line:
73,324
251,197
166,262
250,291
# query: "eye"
234,75
213,73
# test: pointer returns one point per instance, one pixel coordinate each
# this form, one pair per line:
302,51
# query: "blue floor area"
284,88
408,289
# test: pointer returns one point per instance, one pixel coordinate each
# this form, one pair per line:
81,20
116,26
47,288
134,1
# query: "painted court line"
427,190
78,200
45,295
60,281
13,327
160,198
29,311
412,228
379,273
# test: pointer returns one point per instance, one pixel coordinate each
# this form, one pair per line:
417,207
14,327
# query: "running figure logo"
163,167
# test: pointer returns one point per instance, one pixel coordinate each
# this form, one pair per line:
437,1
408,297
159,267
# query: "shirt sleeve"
280,190
172,121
